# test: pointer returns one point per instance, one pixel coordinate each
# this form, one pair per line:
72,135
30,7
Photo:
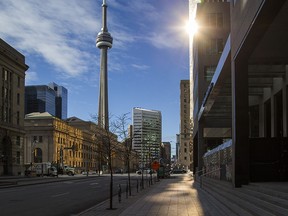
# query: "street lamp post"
33,144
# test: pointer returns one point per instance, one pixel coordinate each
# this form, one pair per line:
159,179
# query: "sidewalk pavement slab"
174,196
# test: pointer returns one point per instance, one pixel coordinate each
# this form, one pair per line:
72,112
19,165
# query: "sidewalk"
170,197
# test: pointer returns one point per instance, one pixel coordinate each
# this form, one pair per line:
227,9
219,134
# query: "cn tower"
103,42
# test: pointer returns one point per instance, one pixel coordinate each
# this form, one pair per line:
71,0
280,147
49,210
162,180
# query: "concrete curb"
26,181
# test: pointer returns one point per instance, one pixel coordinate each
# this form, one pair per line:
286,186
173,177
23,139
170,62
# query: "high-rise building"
46,98
239,77
61,100
12,82
147,134
177,146
166,153
185,150
207,48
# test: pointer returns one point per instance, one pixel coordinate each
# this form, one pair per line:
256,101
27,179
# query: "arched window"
38,155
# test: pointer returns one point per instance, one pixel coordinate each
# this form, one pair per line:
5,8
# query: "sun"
191,27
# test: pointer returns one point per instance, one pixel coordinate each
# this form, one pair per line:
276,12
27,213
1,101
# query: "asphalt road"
59,198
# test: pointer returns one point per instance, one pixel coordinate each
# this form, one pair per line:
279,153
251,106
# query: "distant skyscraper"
103,42
177,146
61,100
185,150
147,134
46,98
166,152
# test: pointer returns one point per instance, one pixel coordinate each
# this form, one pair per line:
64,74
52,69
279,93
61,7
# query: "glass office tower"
147,134
46,98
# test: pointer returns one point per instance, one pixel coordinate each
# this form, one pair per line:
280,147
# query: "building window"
18,140
18,157
209,72
5,114
18,99
5,94
38,155
214,20
215,46
40,139
18,117
18,82
5,75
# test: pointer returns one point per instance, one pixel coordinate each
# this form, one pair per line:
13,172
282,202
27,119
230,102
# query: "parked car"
178,171
66,170
145,171
41,169
118,171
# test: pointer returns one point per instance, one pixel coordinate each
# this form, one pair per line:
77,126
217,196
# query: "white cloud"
63,32
147,23
140,67
30,77
51,29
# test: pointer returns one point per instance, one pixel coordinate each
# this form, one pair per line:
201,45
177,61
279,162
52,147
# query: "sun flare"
191,27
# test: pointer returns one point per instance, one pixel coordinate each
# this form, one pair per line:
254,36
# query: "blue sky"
148,59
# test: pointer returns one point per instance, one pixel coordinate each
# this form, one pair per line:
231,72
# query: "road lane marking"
57,195
10,190
95,183
68,182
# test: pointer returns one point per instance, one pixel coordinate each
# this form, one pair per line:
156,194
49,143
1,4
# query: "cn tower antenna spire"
103,42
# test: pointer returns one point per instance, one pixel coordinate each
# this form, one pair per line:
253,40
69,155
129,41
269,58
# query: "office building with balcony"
147,134
12,83
213,18
239,96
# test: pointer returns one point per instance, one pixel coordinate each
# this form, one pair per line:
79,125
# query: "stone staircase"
257,199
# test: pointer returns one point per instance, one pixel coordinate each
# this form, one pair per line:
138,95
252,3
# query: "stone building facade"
12,84
49,139
185,145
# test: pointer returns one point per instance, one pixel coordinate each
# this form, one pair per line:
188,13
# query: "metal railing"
196,174
206,173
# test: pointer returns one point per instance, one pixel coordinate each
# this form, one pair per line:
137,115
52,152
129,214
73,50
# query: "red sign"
155,165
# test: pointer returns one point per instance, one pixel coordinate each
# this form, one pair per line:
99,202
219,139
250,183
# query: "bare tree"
121,127
108,145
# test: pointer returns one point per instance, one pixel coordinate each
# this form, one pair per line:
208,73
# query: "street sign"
155,165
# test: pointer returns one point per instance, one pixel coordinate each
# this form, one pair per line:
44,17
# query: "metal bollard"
119,193
127,190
